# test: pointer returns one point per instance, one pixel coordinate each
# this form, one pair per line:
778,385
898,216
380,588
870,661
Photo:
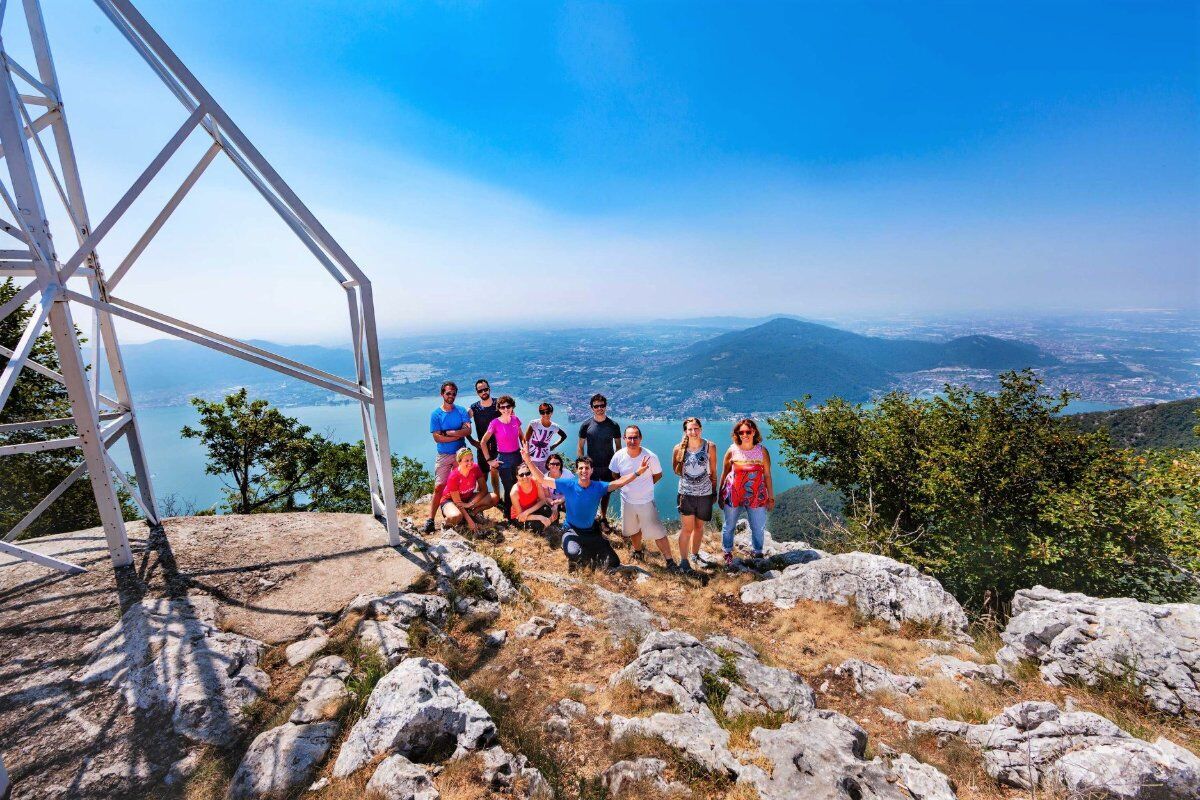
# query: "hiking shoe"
639,555
728,560
757,554
672,567
428,526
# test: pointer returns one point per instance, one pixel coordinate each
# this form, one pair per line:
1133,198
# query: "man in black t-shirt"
483,411
602,438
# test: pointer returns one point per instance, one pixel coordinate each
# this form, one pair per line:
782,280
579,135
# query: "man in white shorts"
639,514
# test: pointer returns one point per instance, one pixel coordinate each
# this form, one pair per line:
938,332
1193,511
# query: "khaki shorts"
443,467
642,518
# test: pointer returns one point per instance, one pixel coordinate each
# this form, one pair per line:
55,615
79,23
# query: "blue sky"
499,161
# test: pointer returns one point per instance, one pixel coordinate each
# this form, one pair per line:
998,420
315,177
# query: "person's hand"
645,465
771,503
525,450
494,463
470,521
524,515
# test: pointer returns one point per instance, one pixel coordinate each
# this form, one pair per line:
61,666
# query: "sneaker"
672,567
728,559
757,555
639,555
428,526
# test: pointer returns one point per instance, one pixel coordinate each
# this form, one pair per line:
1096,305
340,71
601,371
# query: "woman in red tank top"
530,507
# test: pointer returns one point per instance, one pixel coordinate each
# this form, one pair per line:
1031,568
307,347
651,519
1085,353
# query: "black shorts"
698,506
481,461
603,474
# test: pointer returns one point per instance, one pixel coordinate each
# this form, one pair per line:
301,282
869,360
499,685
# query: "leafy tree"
342,484
269,457
26,478
992,493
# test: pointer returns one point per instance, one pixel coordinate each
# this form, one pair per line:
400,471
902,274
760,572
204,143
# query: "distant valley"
713,367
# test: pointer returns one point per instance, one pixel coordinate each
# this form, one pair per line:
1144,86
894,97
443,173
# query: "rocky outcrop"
281,760
964,672
1037,745
403,608
169,656
502,770
1075,637
388,640
698,737
676,664
624,775
821,755
456,561
535,628
869,678
628,618
880,588
415,710
303,650
397,778
323,694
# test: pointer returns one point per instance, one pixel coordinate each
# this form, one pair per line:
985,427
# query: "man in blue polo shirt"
449,425
582,541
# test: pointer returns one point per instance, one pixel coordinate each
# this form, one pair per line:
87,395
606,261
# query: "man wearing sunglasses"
483,411
582,541
599,439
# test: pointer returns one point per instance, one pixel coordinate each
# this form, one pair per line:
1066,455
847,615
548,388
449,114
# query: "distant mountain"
1152,427
783,358
723,321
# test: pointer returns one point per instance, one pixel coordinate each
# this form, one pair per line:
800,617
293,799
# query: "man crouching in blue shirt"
582,540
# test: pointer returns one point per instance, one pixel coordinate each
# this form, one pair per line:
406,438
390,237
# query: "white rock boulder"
281,760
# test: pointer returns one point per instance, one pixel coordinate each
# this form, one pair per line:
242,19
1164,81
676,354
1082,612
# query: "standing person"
555,469
483,411
746,487
694,460
502,443
602,437
639,514
530,506
582,541
449,425
541,433
467,492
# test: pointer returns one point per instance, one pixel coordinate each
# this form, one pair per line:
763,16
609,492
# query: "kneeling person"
582,541
639,514
467,493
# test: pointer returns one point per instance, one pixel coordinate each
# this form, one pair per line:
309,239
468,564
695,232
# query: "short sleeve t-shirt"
640,490
599,437
465,485
540,438
441,420
582,502
508,435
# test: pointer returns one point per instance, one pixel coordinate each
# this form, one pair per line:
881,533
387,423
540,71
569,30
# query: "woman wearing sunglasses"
746,487
502,444
530,506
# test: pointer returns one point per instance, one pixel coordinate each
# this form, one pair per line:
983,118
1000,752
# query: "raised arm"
540,478
625,479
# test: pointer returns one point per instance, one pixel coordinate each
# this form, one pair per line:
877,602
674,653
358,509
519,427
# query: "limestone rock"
1036,745
628,618
323,694
390,641
674,663
880,588
646,771
397,778
730,644
696,735
281,760
947,648
535,628
457,561
962,672
415,710
820,756
495,639
303,650
501,769
557,727
405,608
923,781
869,678
169,656
1076,637
572,613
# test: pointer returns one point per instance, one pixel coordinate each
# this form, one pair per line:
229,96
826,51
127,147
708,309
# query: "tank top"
696,480
540,437
525,500
746,485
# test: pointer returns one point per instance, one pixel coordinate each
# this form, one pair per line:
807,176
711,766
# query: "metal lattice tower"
30,103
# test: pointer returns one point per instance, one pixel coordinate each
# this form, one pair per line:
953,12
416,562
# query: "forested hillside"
1152,427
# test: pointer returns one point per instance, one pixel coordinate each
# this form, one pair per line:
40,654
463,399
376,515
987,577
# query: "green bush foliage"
991,493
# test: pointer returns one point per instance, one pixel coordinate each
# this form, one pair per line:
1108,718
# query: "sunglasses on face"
524,474
504,407
482,390
744,432
599,405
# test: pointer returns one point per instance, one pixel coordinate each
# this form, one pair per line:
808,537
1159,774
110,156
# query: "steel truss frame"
100,420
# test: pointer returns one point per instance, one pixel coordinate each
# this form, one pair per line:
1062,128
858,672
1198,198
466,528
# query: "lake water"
177,464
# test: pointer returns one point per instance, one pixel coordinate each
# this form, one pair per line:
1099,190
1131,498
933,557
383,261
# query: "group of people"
532,486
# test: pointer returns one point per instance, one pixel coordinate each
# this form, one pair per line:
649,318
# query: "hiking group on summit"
533,488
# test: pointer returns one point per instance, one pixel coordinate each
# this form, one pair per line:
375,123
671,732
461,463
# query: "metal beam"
25,554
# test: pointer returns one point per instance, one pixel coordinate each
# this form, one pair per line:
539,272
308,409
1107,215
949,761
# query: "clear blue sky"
646,159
